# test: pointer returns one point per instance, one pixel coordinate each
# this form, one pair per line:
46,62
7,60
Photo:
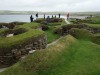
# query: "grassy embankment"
8,43
91,22
95,23
31,31
52,25
50,33
69,56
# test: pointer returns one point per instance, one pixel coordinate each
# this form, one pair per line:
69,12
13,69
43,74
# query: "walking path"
54,42
66,20
2,69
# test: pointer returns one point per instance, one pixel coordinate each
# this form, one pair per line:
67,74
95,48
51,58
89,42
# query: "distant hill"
8,12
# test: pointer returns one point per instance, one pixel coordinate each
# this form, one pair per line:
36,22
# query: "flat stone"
10,35
32,51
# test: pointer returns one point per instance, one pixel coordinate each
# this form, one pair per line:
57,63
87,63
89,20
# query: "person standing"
36,15
52,16
31,18
44,16
67,16
59,15
48,20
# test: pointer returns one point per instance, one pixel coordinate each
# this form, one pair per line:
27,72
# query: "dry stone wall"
37,43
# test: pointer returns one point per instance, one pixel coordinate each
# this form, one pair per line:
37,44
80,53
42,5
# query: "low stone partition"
13,32
65,29
13,48
96,39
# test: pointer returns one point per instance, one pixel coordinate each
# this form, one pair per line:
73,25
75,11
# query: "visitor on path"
36,15
67,16
31,18
59,15
48,20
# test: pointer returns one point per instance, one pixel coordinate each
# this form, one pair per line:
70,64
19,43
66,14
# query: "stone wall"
16,54
65,29
96,39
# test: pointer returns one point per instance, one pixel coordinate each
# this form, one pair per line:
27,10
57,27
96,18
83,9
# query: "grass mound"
41,61
81,33
85,35
19,41
67,57
94,25
96,39
50,35
96,20
2,31
29,26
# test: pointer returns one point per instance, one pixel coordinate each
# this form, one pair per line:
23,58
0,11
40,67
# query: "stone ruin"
16,54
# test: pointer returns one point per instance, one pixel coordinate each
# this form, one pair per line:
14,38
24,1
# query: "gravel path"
54,42
66,20
2,69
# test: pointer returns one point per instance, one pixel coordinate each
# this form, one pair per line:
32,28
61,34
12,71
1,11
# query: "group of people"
31,17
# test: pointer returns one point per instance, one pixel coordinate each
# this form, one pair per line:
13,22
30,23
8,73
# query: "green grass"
94,25
29,26
50,35
2,30
20,36
67,57
40,59
82,34
8,43
84,59
98,34
96,20
55,24
96,39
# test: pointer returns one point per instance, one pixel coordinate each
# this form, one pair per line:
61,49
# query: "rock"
10,35
32,51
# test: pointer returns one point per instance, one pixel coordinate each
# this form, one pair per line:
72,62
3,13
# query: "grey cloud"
50,5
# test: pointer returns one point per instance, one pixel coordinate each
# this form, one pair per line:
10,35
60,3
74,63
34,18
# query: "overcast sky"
51,5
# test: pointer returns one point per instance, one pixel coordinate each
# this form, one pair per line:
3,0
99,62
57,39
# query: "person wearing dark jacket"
37,15
44,16
59,15
31,18
67,16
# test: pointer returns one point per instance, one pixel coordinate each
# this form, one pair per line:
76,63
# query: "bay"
26,18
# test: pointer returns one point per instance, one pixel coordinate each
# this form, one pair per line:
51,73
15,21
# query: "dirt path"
2,69
66,20
54,42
